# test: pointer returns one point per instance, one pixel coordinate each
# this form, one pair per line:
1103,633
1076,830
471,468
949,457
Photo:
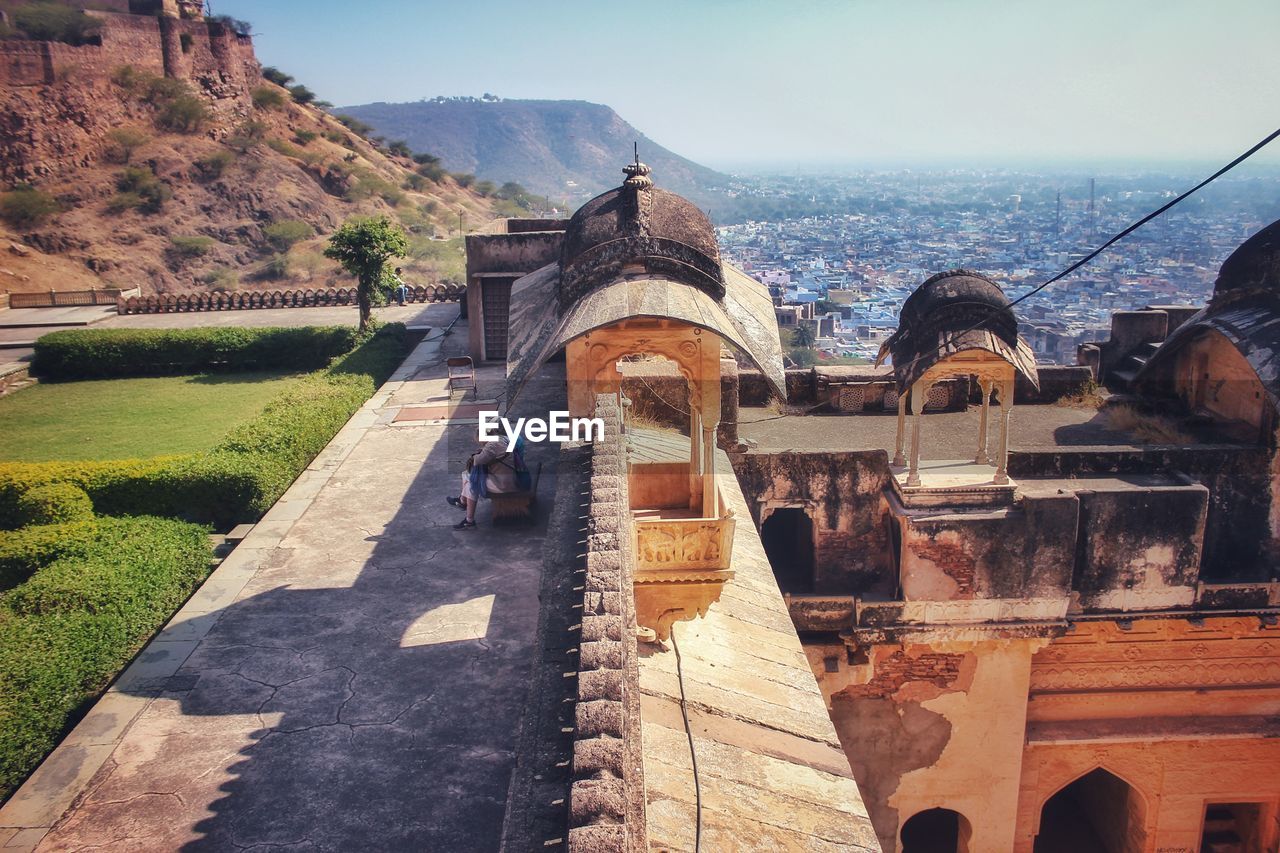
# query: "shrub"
124,141
464,180
244,29
426,159
281,147
194,246
74,354
304,137
275,75
159,91
400,148
150,191
267,98
55,22
301,94
126,77
337,137
221,279
275,269
285,233
212,166
121,202
54,503
184,114
69,629
25,551
433,171
354,125
27,207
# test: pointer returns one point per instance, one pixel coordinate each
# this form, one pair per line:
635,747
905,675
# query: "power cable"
693,755
1271,137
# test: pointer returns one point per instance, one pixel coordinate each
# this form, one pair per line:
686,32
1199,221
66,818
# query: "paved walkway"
356,671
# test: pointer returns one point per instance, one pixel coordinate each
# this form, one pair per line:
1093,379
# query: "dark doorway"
787,535
1097,813
495,305
935,831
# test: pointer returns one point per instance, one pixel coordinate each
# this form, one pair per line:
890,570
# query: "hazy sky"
856,82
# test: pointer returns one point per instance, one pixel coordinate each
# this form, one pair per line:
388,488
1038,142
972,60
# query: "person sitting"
490,470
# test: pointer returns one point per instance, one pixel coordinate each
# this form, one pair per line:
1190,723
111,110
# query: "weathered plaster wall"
1022,552
842,493
1240,534
1140,549
1211,373
938,725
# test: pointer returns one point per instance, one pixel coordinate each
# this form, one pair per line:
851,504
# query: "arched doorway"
787,536
936,831
1097,813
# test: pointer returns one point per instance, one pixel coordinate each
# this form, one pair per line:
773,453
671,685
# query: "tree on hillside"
802,336
364,247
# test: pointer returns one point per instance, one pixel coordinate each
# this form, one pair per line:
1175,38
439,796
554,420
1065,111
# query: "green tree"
803,336
364,248
301,94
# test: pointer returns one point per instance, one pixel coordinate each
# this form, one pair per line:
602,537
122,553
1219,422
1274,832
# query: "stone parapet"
247,300
606,802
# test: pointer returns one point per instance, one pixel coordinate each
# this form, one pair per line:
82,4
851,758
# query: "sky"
800,84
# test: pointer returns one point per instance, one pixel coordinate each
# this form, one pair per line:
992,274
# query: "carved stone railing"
255,299
606,800
682,564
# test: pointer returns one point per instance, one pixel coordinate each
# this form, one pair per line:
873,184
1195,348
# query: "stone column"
898,460
695,453
1006,407
919,394
987,386
709,379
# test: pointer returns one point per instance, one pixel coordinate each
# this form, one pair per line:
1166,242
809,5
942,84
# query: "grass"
123,418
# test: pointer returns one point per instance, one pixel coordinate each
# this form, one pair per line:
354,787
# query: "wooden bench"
511,507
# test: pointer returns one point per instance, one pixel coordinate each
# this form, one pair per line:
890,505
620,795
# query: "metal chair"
462,374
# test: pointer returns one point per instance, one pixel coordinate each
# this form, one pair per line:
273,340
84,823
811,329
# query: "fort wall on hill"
208,53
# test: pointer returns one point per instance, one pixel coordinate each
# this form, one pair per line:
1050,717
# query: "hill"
568,150
120,168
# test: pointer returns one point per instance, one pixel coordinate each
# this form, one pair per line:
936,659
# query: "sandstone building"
1031,629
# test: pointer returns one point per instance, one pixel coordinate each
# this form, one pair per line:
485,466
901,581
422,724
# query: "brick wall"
898,669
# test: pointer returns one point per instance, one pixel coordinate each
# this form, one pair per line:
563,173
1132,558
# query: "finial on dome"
637,173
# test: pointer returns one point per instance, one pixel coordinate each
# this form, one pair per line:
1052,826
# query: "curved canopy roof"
949,313
1245,309
744,318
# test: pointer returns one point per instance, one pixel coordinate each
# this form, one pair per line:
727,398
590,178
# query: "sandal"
456,502
464,525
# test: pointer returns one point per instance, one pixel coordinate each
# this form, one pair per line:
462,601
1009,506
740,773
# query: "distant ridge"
562,149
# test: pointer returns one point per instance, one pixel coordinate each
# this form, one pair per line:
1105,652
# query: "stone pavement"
351,677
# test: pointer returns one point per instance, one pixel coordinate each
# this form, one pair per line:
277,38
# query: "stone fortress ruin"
169,38
1024,628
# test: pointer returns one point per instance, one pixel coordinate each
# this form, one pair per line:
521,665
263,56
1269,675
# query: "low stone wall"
606,802
248,300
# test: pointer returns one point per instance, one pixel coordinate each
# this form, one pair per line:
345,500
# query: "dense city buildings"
865,241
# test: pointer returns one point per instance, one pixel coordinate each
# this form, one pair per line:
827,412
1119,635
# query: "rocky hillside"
133,179
562,149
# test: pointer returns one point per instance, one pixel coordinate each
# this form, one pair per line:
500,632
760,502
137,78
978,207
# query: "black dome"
1254,266
638,224
956,300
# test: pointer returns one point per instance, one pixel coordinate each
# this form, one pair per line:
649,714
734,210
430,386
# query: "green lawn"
123,418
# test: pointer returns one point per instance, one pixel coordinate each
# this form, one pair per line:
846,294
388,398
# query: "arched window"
1099,811
936,831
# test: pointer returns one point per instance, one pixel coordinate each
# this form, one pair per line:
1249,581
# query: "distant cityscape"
841,253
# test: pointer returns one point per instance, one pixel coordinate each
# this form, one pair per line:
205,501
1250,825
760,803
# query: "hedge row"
67,631
25,551
242,476
117,353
